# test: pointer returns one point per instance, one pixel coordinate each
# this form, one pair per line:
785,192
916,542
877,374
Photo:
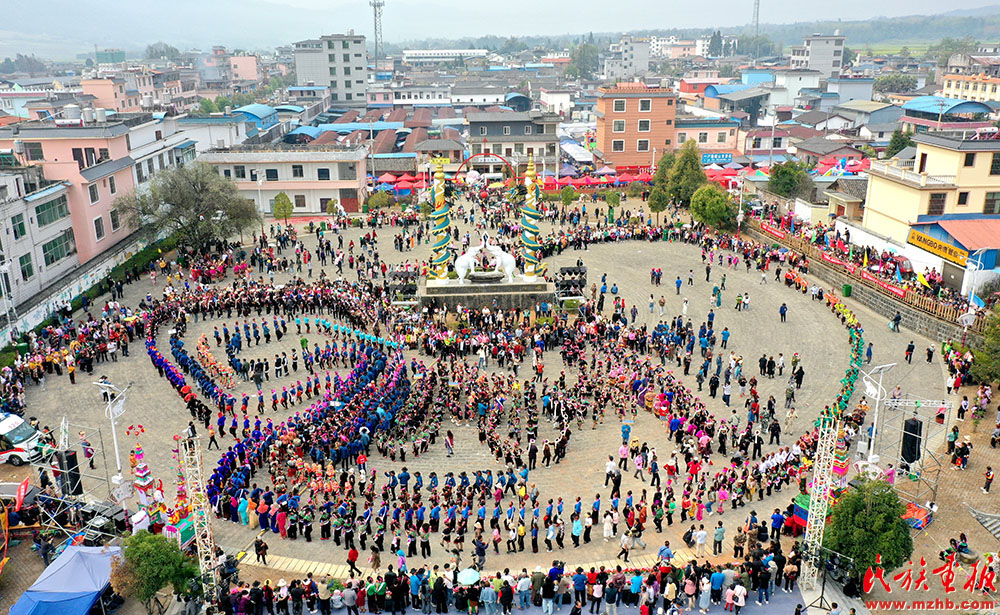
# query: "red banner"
22,491
777,232
836,261
899,292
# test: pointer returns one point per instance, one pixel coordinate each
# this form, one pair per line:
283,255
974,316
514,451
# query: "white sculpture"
466,263
504,260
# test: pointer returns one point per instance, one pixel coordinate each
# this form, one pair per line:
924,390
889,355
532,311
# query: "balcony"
902,172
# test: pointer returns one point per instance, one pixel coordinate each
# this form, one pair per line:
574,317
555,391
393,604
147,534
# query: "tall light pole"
114,409
874,389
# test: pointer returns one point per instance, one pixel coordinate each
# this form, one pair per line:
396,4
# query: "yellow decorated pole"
529,225
442,228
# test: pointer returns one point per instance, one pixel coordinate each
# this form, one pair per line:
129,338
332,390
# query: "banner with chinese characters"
836,261
899,292
777,232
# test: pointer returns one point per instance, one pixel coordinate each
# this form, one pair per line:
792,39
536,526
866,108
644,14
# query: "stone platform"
517,294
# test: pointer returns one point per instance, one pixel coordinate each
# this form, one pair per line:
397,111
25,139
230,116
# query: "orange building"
635,124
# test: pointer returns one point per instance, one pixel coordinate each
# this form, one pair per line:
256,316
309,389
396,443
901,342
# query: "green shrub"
636,188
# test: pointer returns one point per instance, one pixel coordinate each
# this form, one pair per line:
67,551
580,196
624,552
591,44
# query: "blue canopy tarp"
70,585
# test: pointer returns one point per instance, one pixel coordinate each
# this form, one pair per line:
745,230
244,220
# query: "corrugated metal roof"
974,234
104,169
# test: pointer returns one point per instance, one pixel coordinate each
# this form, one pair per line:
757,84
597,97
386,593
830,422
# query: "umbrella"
384,186
568,170
713,167
468,576
734,165
644,176
387,178
404,185
406,177
605,170
420,185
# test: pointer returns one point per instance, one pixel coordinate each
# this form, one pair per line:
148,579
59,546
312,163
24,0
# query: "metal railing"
900,172
918,301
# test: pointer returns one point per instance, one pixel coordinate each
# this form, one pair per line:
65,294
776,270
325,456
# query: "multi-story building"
436,57
409,95
979,87
113,94
718,139
627,58
245,67
310,176
729,41
38,243
110,56
633,120
337,60
94,159
512,136
556,100
216,131
477,95
824,53
945,201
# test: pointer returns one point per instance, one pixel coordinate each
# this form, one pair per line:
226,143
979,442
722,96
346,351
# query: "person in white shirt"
700,539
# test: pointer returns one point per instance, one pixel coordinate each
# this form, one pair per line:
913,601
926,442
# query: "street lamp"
115,408
874,389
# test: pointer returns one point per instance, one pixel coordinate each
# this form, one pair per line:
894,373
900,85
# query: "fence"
918,301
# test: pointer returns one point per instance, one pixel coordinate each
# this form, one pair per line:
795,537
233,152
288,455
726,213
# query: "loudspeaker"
912,430
72,485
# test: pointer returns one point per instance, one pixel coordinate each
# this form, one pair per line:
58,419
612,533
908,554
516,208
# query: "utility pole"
756,29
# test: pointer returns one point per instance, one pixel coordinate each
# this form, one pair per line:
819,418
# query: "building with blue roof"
937,113
262,116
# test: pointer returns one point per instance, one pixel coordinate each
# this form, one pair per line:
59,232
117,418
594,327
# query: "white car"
18,441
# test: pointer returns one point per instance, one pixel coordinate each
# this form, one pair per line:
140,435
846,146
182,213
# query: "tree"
378,200
567,194
658,201
867,522
160,50
849,56
895,82
756,46
686,174
148,563
711,204
790,179
636,188
986,366
192,201
332,207
584,61
715,44
662,175
898,142
946,47
282,208
208,105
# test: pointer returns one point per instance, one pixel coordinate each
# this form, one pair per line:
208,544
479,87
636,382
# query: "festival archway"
464,165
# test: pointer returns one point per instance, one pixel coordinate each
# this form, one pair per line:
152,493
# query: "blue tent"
70,585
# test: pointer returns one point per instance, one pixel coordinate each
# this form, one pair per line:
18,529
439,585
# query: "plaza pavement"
810,330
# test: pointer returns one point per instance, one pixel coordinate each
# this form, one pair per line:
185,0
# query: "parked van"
19,441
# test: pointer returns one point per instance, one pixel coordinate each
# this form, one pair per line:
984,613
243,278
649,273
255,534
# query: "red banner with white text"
899,292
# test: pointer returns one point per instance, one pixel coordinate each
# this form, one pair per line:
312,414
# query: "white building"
36,224
157,144
477,96
434,57
556,100
704,42
337,60
218,130
627,58
820,52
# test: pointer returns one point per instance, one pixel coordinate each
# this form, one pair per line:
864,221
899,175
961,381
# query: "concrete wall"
913,319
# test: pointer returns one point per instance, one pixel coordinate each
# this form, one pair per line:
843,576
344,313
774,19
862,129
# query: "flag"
22,491
922,279
899,276
866,259
976,301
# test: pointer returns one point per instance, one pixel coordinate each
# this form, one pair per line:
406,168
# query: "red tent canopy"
564,181
388,178
644,176
579,181
625,177
404,185
420,185
728,172
606,180
550,182
406,177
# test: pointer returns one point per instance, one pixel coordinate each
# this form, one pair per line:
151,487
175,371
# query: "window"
111,184
519,148
477,148
158,134
103,155
506,130
618,126
645,104
59,248
682,137
527,129
99,228
323,174
33,150
643,125
702,137
776,142
642,145
669,122
225,173
619,105
297,170
995,164
240,171
963,198
720,137
300,201
271,175
27,269
333,72
149,167
618,145
992,204
94,194
346,56
347,70
345,45
331,57
17,223
756,143
497,149
47,213
936,205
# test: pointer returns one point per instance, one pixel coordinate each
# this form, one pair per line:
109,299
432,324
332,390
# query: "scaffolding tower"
201,509
909,439
377,6
819,498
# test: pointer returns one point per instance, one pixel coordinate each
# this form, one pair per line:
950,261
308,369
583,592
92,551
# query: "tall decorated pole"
529,225
442,228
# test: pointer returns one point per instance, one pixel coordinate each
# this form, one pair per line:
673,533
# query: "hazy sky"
63,28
